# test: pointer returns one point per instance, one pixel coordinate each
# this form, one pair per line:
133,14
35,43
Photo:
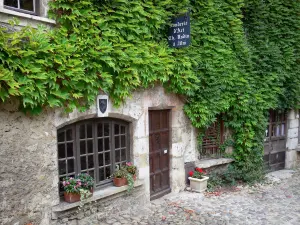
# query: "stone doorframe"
292,158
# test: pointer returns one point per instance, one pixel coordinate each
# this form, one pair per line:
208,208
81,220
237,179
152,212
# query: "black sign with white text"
180,32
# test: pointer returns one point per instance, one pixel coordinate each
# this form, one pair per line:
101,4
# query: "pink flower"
64,183
68,183
129,164
71,178
78,183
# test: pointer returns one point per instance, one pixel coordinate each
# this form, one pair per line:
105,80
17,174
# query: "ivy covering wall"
243,60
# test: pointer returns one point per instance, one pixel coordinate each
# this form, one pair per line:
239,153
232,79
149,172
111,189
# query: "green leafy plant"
82,182
122,172
130,181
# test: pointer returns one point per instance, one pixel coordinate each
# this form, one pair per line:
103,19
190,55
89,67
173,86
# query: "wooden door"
159,137
275,142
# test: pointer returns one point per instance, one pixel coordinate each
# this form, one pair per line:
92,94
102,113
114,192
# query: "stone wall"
98,211
292,143
28,153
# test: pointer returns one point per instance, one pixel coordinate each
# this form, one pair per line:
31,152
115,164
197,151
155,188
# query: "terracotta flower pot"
120,181
74,197
71,197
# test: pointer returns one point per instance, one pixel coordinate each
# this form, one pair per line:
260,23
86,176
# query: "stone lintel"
207,163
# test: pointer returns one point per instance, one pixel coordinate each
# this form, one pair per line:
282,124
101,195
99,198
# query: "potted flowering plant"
78,187
120,176
125,175
131,169
198,182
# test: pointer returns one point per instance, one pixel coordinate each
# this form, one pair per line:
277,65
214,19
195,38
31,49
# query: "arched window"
94,146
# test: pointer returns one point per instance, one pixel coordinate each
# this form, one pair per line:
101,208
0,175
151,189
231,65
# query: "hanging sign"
180,32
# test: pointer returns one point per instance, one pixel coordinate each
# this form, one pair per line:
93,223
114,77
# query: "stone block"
141,160
141,145
291,143
177,117
290,164
73,222
176,135
177,149
292,133
291,155
292,114
177,174
207,163
294,123
144,172
290,159
140,128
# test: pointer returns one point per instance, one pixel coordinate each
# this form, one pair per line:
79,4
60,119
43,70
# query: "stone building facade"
30,150
29,158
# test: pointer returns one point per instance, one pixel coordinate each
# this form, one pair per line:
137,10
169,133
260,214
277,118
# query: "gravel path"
273,203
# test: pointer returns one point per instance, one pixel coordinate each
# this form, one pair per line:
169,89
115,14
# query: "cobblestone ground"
275,203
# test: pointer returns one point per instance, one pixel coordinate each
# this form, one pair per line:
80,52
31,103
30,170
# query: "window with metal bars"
212,140
95,146
24,6
276,128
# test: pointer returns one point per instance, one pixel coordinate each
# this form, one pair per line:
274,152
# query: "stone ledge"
26,16
97,195
207,163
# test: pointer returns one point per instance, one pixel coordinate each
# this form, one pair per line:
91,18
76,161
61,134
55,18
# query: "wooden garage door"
159,132
275,142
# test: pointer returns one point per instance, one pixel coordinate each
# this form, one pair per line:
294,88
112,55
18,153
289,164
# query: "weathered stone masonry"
28,157
293,140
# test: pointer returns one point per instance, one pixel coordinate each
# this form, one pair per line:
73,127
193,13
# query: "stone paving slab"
273,203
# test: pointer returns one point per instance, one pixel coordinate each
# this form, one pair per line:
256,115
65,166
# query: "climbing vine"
243,60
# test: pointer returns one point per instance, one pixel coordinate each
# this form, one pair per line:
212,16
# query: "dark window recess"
212,140
95,147
26,6
277,125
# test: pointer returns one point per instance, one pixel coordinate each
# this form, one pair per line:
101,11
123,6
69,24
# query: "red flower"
191,173
199,170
